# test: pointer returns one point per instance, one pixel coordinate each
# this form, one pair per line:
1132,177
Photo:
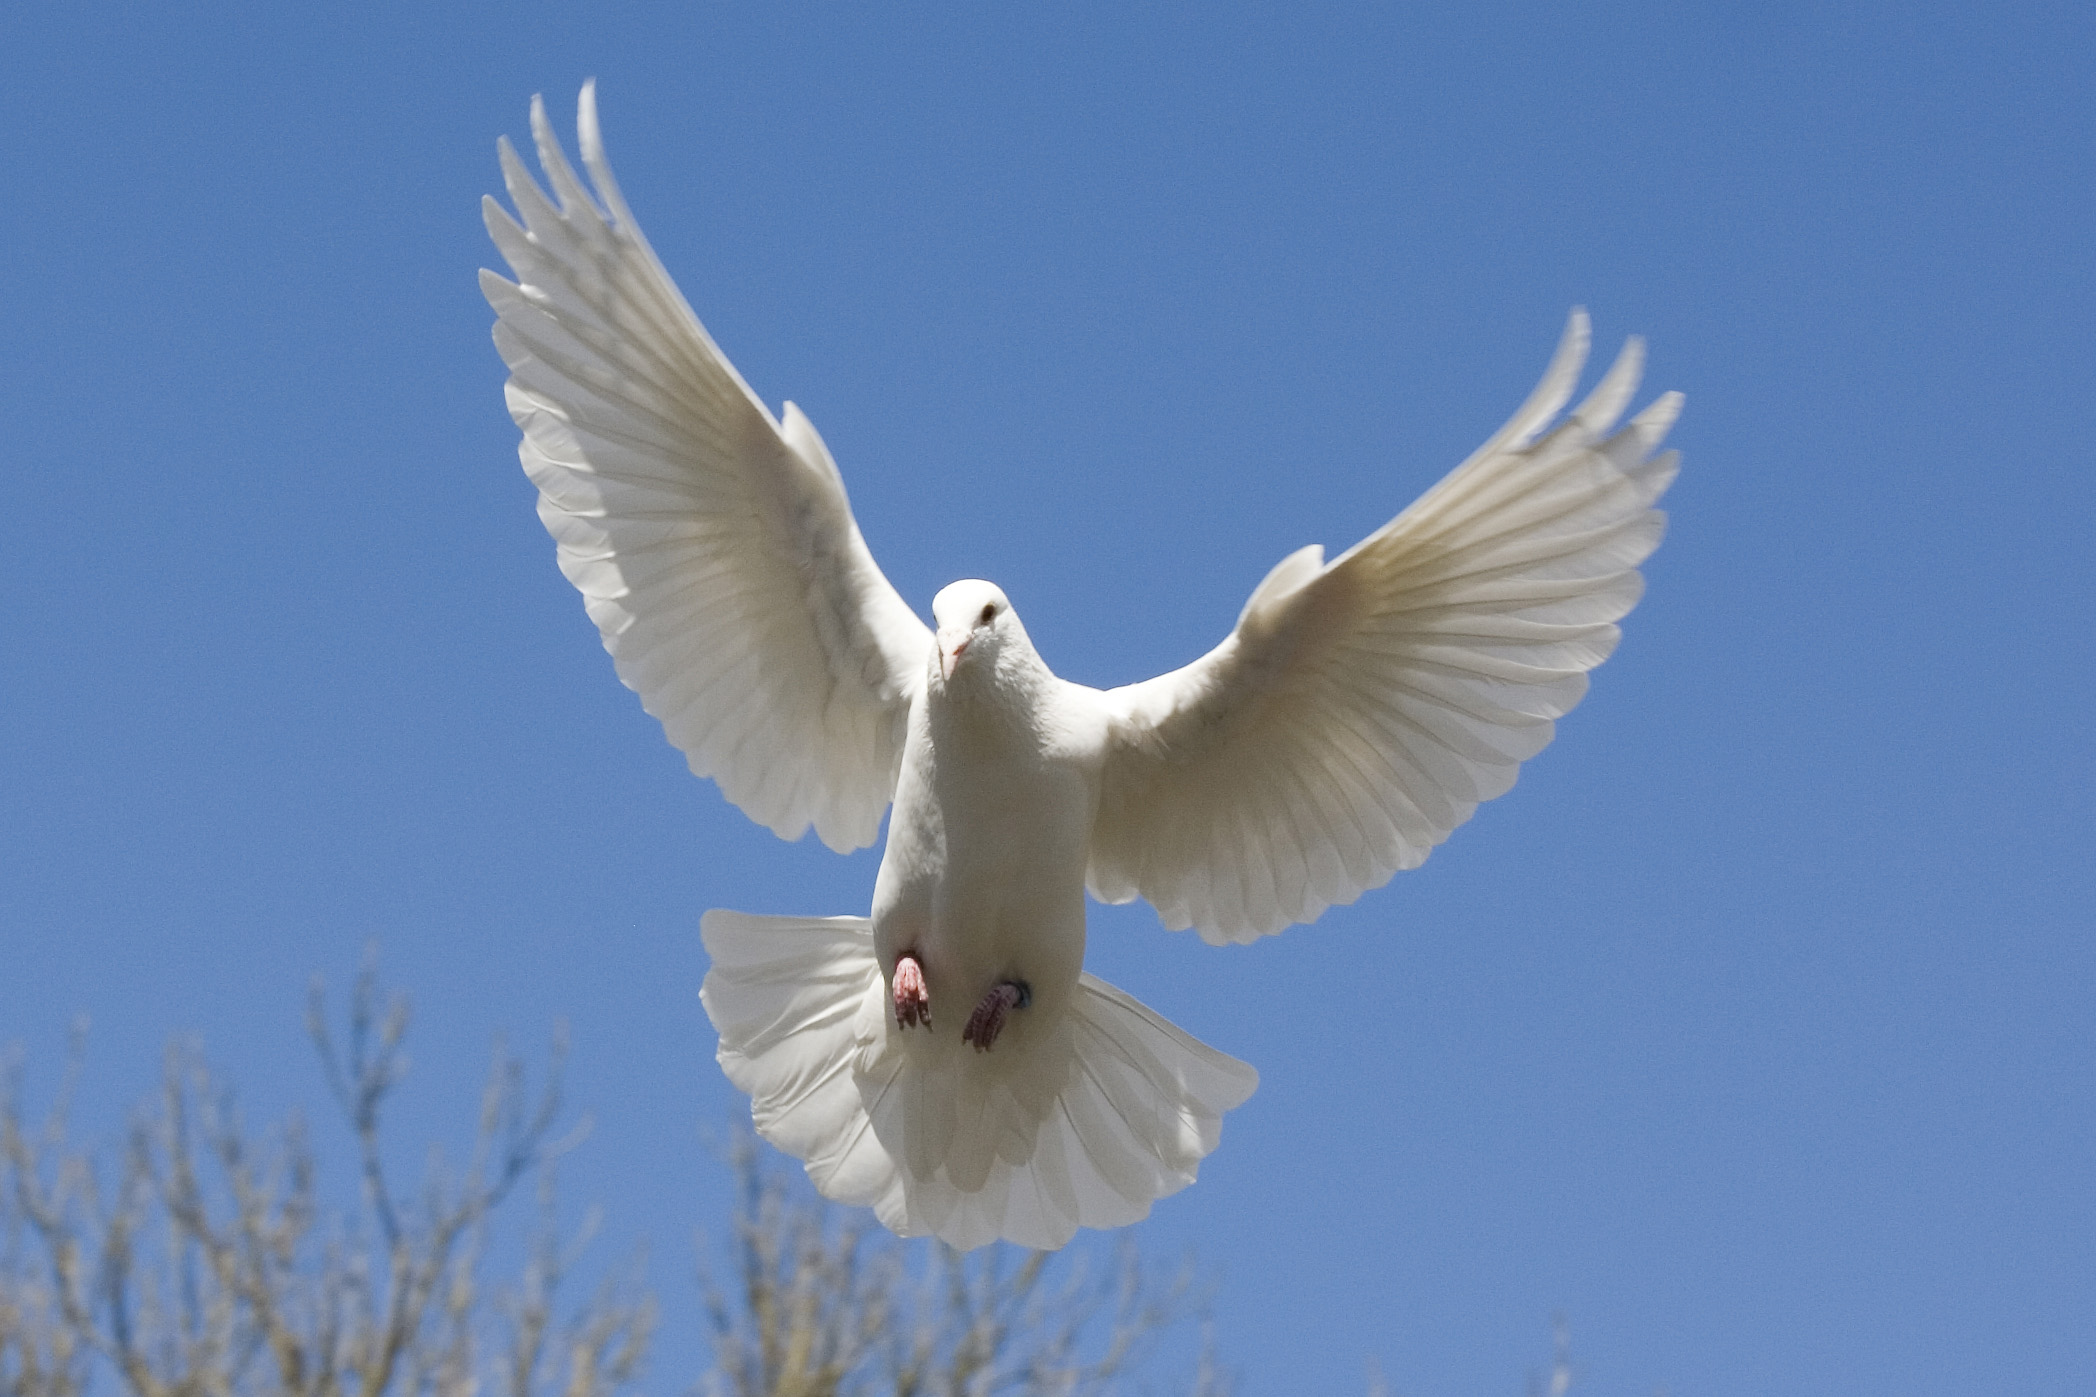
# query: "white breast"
983,877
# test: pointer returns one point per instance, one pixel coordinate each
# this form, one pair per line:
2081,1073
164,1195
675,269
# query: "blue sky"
1752,1030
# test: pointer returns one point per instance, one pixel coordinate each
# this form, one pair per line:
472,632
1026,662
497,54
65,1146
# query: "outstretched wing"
713,546
1362,709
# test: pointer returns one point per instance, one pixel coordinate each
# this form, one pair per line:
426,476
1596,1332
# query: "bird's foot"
913,1004
988,1019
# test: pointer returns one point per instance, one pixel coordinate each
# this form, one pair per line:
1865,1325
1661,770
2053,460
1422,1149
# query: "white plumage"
1109,1109
947,1062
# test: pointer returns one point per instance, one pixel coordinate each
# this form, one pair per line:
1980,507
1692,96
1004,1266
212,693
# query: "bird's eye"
989,611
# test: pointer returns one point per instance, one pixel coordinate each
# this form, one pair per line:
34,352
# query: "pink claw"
988,1019
913,1004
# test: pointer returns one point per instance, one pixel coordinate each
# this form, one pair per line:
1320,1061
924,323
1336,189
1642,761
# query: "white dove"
947,1061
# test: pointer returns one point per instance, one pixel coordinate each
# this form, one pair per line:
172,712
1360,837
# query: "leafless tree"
818,1306
205,1265
205,1262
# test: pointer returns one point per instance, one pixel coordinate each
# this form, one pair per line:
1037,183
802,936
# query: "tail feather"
1097,1119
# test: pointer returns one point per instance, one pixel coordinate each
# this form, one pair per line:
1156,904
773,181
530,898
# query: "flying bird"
946,1061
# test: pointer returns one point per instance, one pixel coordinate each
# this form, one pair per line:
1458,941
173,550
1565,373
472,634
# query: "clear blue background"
1753,1030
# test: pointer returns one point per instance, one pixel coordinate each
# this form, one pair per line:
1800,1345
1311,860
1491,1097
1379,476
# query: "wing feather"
1364,708
713,545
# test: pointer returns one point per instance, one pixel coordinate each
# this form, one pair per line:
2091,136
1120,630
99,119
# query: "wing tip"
1659,416
587,130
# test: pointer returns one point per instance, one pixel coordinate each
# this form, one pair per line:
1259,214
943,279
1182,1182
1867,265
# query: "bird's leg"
913,1004
988,1019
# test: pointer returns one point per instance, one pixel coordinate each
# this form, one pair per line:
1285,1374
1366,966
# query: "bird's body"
1003,1093
983,875
947,1061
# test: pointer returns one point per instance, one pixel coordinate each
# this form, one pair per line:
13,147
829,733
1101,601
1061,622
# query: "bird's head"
975,623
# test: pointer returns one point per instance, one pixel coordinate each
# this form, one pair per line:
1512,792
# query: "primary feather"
1357,713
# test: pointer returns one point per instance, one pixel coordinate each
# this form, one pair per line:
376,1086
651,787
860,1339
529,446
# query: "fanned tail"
1108,1111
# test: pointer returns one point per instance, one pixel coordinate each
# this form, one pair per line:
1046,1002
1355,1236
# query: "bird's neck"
1000,703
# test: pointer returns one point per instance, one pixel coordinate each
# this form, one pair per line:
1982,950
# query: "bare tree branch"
203,1261
210,1268
822,1308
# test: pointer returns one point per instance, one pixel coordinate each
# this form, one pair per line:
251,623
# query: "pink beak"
951,647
